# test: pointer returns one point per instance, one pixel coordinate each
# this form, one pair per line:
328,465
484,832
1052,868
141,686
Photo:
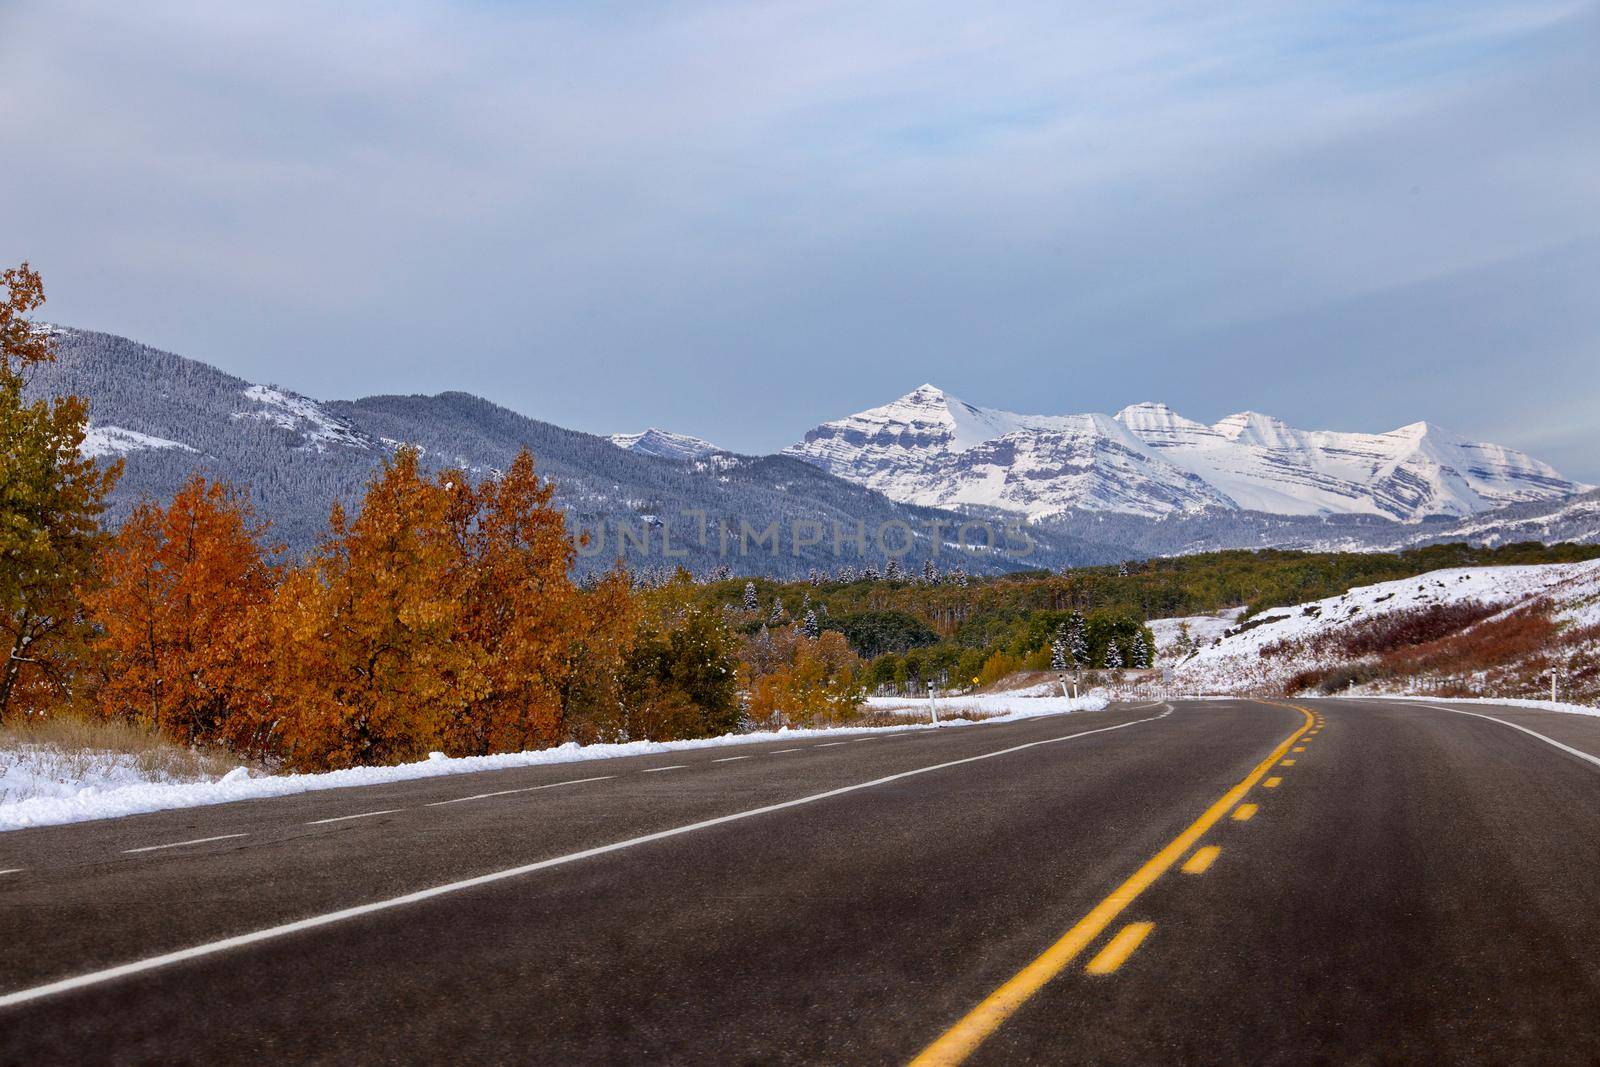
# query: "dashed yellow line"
1245,812
970,1031
1301,748
1272,783
1117,951
1201,861
1286,763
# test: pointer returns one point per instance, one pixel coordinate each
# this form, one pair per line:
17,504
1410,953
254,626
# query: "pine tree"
1141,651
51,499
870,572
1078,639
892,571
930,572
752,603
815,578
812,628
1059,659
1113,656
778,614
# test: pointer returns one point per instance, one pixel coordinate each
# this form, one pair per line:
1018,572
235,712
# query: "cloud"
740,219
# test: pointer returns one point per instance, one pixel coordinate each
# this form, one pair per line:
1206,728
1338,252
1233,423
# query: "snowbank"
116,794
1019,704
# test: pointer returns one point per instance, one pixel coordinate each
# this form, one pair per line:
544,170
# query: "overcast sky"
739,219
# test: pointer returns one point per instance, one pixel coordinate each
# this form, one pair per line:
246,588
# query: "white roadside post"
1555,672
933,704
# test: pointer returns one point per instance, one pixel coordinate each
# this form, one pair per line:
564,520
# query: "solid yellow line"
1116,953
958,1042
1244,812
1272,783
1201,861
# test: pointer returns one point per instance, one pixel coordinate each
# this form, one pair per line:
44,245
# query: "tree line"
439,614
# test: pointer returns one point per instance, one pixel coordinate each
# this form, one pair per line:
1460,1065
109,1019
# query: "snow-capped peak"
928,447
664,443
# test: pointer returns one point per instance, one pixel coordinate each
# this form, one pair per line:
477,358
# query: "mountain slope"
168,417
663,443
929,447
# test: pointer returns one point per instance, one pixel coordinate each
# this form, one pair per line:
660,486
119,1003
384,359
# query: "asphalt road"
1412,885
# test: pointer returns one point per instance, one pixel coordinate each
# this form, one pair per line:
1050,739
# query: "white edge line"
175,844
524,789
12,870
23,996
358,815
1531,733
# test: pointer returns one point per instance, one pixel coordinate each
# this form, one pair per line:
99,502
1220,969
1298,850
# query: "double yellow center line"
962,1039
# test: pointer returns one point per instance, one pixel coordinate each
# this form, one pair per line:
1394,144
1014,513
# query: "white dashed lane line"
358,815
525,789
729,759
653,770
178,844
12,870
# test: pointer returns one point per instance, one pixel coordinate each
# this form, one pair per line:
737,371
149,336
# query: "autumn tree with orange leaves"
180,593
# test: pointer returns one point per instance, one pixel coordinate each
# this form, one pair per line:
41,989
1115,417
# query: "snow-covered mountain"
1567,519
931,448
664,443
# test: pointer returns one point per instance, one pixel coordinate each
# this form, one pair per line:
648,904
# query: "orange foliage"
179,589
807,681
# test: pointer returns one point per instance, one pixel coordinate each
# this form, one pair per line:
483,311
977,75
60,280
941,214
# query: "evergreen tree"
1078,639
870,572
778,614
930,573
816,578
892,571
812,628
751,602
1141,651
1059,659
1113,656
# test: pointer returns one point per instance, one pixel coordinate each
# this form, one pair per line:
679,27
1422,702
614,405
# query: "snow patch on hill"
300,414
104,441
664,443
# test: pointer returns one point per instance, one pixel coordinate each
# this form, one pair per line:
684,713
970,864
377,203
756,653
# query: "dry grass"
912,715
58,751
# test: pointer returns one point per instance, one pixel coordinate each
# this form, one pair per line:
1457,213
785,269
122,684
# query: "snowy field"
1203,630
109,788
1236,663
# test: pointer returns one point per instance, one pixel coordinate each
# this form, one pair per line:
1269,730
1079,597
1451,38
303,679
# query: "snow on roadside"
47,771
1018,704
115,795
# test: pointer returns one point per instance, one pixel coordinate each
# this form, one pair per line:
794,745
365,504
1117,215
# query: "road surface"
1411,884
